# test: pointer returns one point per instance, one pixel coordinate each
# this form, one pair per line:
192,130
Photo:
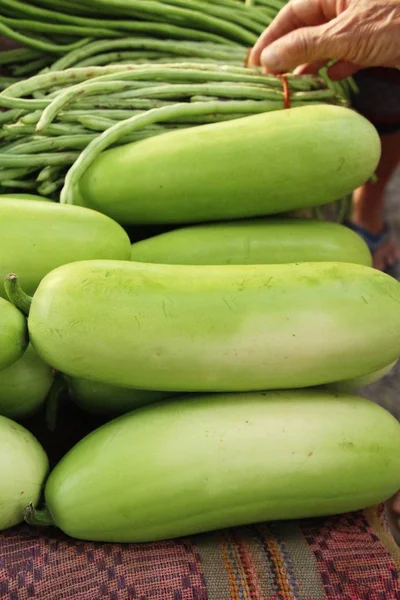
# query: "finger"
304,46
310,68
296,14
342,69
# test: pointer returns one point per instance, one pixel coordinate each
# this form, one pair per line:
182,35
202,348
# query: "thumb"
302,46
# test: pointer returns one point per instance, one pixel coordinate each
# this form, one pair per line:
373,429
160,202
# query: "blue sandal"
374,241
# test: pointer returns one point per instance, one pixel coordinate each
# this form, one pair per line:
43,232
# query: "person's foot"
385,252
367,214
386,256
393,515
396,505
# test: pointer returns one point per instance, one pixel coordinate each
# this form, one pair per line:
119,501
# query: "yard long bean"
37,160
49,80
49,173
188,49
35,42
31,67
12,174
234,15
18,55
42,26
17,130
47,188
16,184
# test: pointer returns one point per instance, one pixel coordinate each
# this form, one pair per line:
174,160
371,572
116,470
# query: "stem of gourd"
16,294
39,518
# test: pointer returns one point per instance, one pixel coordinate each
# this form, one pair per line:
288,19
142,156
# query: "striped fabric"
351,557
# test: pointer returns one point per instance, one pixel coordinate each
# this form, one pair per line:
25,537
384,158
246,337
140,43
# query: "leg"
393,514
368,202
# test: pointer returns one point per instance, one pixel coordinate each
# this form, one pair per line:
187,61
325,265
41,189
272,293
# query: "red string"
247,59
286,91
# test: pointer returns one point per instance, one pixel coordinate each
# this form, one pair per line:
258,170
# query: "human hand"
308,33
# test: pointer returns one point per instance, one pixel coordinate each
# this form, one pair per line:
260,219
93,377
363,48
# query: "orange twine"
247,59
286,91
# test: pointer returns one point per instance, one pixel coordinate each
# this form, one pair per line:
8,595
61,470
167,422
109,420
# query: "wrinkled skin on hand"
308,33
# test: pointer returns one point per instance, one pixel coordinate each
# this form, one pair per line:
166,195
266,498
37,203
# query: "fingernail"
271,59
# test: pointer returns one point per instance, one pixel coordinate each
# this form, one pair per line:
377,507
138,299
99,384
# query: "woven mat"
352,557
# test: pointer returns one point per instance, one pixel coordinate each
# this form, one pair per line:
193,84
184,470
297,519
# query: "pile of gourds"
188,335
222,354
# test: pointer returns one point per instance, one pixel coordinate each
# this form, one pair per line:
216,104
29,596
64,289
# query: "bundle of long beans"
53,117
103,32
